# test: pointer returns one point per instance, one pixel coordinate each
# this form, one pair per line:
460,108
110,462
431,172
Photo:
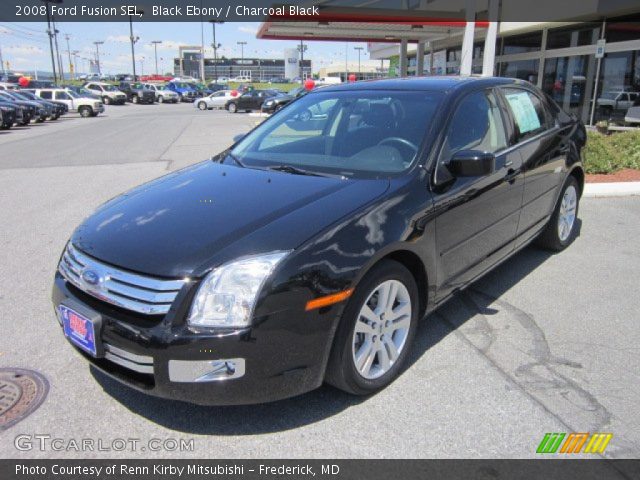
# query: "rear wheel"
160,99
376,330
202,106
561,229
135,99
85,112
233,108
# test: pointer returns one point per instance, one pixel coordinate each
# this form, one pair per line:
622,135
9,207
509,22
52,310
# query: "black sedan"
309,250
274,104
27,110
249,100
8,117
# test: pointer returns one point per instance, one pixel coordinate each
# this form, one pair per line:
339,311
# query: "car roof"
435,83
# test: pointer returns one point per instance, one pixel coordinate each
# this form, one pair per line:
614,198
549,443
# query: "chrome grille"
128,290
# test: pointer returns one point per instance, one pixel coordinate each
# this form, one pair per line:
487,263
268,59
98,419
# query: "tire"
85,112
233,108
278,108
342,370
135,99
202,106
106,100
160,99
561,229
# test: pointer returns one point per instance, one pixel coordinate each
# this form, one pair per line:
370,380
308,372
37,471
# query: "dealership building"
260,69
587,58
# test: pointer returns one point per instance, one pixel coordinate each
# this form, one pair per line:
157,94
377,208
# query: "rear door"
543,148
477,216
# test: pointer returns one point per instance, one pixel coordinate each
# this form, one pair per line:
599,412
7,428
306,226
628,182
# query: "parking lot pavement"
545,343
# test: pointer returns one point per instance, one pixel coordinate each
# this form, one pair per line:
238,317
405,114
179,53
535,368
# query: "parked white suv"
163,95
108,92
85,106
612,100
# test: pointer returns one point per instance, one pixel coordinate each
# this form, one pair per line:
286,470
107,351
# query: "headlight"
268,103
227,295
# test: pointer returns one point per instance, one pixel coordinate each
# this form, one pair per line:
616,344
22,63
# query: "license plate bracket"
82,327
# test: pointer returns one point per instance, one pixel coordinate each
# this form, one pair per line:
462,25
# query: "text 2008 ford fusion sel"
308,251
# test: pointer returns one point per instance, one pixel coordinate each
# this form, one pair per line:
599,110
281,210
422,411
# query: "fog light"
205,370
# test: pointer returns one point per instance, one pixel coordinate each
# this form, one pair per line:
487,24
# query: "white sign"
600,47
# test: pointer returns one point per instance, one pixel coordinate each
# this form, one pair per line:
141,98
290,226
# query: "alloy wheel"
381,329
567,214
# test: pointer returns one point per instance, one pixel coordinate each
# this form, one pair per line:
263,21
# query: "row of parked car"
248,100
21,106
148,92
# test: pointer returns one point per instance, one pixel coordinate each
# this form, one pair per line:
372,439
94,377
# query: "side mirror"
472,163
239,137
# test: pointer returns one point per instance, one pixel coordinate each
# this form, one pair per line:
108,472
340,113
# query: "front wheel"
160,99
135,99
561,229
106,100
85,112
202,106
376,330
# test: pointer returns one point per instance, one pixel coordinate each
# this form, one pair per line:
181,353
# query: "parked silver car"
163,95
216,100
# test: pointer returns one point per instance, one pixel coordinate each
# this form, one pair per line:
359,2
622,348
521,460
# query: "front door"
477,217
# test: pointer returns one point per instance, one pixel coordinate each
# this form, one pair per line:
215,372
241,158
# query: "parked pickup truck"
185,90
137,93
109,93
86,107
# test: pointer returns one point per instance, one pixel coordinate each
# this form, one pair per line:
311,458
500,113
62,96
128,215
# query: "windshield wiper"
299,171
224,156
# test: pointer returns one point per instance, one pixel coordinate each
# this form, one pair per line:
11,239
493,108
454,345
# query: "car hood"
187,222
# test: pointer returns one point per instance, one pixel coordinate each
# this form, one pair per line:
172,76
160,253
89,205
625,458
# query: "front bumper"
267,362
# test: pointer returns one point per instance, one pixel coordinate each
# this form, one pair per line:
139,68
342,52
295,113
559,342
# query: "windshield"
610,95
364,134
182,85
110,88
73,94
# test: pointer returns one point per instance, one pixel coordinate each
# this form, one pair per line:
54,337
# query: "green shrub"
610,153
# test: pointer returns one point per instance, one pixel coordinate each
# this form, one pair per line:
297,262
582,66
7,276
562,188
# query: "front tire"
85,112
561,229
233,108
160,99
376,330
202,106
135,99
106,100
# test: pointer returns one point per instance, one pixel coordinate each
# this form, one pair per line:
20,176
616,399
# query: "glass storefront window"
529,42
522,69
568,81
619,85
622,29
573,36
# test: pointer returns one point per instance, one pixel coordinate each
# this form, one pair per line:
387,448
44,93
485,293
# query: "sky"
26,45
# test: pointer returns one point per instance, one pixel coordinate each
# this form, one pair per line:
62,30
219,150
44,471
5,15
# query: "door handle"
511,175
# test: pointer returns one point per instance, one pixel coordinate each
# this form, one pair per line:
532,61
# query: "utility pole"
242,44
1,61
71,69
302,48
359,49
75,61
97,44
346,63
55,39
133,43
50,33
215,46
155,48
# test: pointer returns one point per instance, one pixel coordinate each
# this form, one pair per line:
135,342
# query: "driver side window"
476,125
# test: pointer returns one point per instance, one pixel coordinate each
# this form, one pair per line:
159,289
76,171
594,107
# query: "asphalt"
545,343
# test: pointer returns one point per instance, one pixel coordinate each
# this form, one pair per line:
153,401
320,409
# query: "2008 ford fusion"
309,250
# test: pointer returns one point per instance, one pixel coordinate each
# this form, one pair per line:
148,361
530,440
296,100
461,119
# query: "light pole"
74,54
359,49
302,48
50,33
215,46
242,44
155,48
97,44
133,43
71,69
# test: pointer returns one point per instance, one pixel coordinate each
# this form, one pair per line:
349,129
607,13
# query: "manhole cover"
21,393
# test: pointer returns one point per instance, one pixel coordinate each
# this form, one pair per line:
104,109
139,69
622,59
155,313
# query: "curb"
613,189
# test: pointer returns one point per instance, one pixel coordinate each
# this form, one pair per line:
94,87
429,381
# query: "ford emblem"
90,277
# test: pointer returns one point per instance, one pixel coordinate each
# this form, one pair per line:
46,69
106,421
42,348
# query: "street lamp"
359,49
215,46
155,48
133,42
74,54
50,33
242,44
97,44
302,48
